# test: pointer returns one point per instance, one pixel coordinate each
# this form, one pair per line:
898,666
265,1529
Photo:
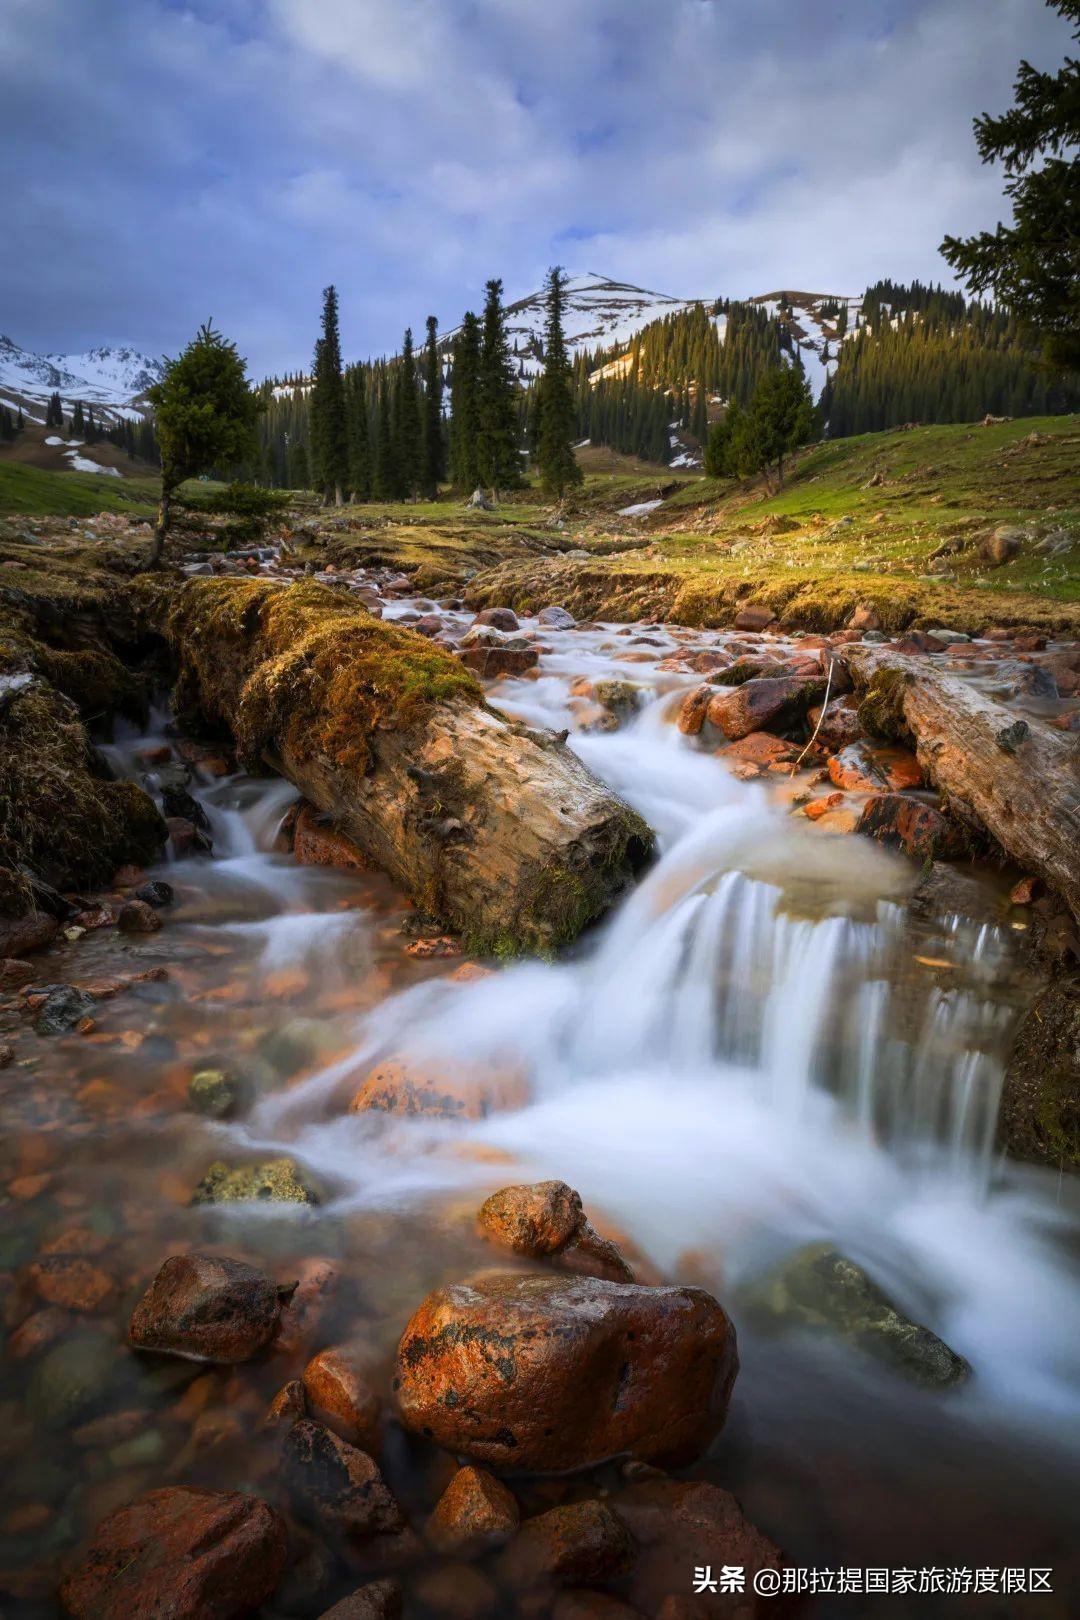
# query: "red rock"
378,1600
38,1332
111,1430
301,1321
71,1283
159,754
759,705
15,973
21,935
317,843
207,1308
499,618
762,751
136,917
492,663
706,661
339,1395
907,823
553,1373
864,617
183,835
821,807
336,1486
754,616
682,1523
864,767
428,624
476,1511
996,632
456,1592
400,1085
579,1544
1032,643
179,1554
546,1220
916,641
287,1407
693,710
1026,891
840,725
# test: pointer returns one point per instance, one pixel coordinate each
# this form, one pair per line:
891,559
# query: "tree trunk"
161,528
497,829
1013,775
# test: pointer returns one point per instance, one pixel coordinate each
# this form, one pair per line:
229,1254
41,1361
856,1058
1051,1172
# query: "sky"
173,160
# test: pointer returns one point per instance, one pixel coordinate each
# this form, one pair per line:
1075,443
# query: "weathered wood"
1011,774
497,829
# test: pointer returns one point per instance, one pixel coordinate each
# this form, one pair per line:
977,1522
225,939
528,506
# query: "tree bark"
1013,775
497,829
161,528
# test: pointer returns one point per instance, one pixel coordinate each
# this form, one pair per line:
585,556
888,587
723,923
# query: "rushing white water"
756,1051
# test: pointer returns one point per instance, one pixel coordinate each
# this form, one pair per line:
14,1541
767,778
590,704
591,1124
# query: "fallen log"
1011,775
497,829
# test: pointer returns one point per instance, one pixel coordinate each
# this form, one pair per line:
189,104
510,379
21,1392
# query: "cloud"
177,159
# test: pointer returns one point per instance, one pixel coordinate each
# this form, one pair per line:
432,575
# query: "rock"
1026,891
185,837
70,1282
556,618
552,1373
136,917
1002,545
623,698
693,710
337,1487
429,624
155,893
63,1010
945,891
7,1055
840,726
378,1600
479,499
754,616
456,1592
546,1220
316,842
338,1395
751,667
498,618
903,822
945,637
475,1512
764,705
679,1524
74,1378
287,1407
214,1092
819,1288
581,1543
865,768
179,1553
207,1308
277,1181
1039,1118
760,752
492,663
21,935
14,973
400,1085
864,617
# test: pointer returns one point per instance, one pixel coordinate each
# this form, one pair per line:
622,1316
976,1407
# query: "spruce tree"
329,435
406,423
433,458
497,449
78,420
361,471
780,418
465,406
205,417
92,434
554,414
385,471
299,473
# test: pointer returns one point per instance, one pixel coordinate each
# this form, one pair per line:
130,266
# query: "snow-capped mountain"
111,379
599,313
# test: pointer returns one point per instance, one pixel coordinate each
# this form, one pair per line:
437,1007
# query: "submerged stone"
215,1093
276,1181
820,1288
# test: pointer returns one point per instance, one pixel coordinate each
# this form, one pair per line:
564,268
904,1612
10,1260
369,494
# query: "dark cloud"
171,161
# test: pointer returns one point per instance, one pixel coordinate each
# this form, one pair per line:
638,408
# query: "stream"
759,1049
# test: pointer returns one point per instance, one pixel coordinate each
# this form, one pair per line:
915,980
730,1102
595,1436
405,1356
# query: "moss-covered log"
497,829
1014,776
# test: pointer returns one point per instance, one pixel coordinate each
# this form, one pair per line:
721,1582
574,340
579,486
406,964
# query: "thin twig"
820,718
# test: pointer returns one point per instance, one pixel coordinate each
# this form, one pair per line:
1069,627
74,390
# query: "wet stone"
276,1181
63,1010
337,1486
215,1093
207,1308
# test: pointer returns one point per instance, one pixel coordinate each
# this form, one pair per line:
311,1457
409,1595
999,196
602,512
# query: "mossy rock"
96,681
1040,1101
820,1289
623,698
881,710
276,1181
215,1093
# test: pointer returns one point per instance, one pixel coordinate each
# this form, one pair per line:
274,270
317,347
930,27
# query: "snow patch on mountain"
112,379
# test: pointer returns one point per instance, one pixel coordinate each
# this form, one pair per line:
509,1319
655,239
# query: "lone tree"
329,426
434,467
497,450
204,417
1033,266
555,457
780,418
465,406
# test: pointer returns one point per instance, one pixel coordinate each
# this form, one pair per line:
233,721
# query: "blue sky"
178,159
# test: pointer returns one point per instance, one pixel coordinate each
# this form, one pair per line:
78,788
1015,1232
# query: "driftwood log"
1012,775
496,829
